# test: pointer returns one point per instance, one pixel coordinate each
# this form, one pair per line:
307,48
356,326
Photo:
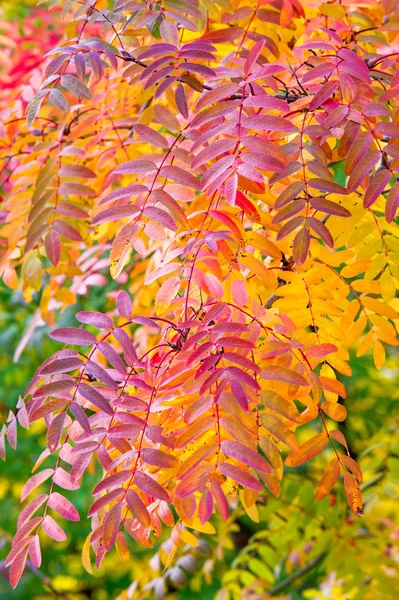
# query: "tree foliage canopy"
232,166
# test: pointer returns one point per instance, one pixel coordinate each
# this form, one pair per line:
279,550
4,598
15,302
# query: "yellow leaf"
257,267
388,287
189,538
365,344
86,562
379,355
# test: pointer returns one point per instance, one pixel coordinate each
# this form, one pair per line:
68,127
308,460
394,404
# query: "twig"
287,582
46,580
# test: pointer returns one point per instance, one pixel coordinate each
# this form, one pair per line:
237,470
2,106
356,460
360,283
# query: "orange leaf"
328,480
307,451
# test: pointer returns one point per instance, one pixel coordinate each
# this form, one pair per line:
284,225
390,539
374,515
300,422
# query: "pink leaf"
35,552
124,192
63,507
35,481
101,374
52,245
158,458
180,176
93,396
30,509
214,286
245,455
53,530
113,481
160,216
268,123
73,335
124,305
240,476
112,356
126,343
136,166
62,365
97,319
64,480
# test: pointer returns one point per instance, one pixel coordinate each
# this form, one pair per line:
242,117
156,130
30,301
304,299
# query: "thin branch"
287,582
46,581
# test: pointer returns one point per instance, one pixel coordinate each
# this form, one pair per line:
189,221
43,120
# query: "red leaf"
392,203
221,500
54,432
376,187
205,507
300,246
277,373
180,97
17,567
329,207
138,508
325,92
322,231
111,525
328,186
150,486
105,500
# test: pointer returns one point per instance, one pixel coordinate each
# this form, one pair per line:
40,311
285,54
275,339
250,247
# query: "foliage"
235,166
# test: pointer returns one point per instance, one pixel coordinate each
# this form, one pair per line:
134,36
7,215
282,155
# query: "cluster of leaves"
239,163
